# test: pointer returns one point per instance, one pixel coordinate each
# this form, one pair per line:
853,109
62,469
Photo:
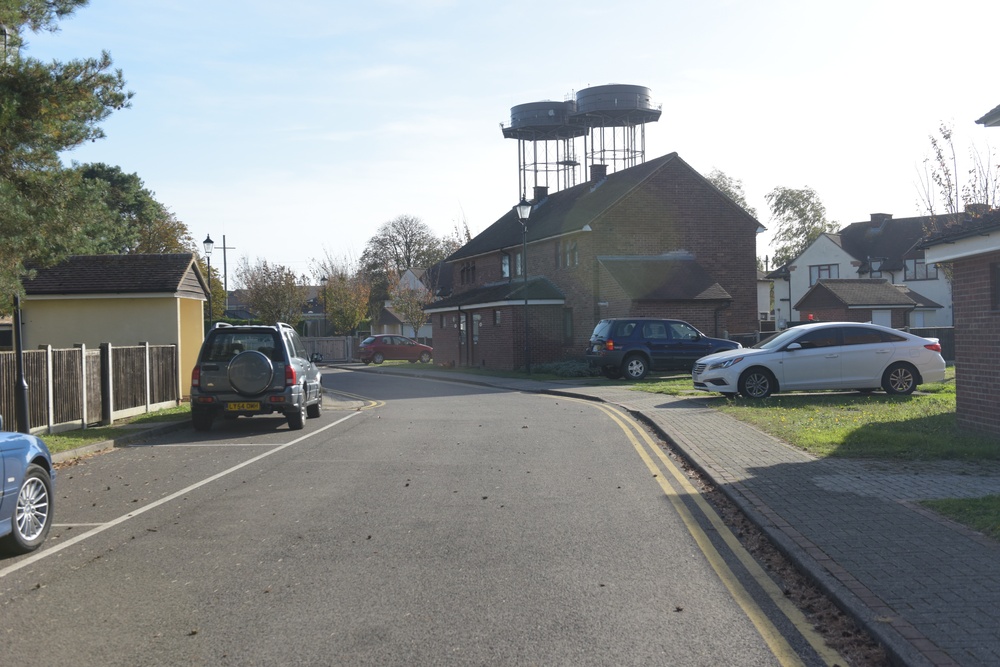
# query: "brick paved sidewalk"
927,588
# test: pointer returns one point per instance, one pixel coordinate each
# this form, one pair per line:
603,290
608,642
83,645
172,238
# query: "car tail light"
933,347
609,345
290,379
196,377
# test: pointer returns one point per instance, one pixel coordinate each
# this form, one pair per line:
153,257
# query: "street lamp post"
523,210
21,410
209,245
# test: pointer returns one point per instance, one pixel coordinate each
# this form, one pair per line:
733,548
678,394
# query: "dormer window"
505,265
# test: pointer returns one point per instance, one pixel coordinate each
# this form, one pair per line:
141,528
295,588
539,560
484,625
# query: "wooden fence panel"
35,376
8,376
163,373
66,392
129,377
36,372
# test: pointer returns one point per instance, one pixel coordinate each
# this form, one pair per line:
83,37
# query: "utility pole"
225,271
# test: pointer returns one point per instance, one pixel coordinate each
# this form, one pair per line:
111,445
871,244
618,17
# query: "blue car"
26,502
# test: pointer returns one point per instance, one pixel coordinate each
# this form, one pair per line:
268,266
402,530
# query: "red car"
379,348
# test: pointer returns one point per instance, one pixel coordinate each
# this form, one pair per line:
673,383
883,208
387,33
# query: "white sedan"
824,355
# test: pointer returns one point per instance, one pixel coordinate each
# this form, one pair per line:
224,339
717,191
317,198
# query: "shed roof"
115,274
875,293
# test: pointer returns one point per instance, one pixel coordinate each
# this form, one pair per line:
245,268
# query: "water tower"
546,151
616,116
610,119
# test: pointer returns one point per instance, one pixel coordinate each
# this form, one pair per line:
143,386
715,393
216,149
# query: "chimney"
598,172
879,219
541,192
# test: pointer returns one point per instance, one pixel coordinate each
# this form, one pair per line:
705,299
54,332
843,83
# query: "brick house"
656,239
972,248
880,248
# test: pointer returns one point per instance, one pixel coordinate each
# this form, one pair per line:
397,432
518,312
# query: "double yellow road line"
676,486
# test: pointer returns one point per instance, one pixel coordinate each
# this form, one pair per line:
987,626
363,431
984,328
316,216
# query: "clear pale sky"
296,128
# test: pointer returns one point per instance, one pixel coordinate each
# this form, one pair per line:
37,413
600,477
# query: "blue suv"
631,347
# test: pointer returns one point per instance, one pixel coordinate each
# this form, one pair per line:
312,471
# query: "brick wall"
977,345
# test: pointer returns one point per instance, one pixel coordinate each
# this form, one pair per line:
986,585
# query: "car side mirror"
794,346
315,356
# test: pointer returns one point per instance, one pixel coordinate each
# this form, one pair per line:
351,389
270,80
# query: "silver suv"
254,370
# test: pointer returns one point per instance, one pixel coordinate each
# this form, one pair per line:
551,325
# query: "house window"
572,254
917,269
442,320
496,318
467,274
819,272
568,326
505,265
559,252
518,265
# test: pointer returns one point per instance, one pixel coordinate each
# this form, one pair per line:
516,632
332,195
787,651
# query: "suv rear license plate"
240,407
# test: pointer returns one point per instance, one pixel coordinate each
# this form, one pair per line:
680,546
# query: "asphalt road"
416,522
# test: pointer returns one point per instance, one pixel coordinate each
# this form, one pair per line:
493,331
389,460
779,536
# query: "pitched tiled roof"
538,289
878,293
964,228
991,119
670,277
568,210
114,274
893,240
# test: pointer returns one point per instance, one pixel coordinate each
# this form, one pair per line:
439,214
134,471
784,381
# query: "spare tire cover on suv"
250,372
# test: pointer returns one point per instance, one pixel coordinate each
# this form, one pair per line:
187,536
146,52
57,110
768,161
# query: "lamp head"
209,244
523,210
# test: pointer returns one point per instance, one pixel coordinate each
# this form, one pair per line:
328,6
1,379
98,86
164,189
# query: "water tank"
543,120
615,104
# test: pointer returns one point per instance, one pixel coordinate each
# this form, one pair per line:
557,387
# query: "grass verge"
67,440
981,514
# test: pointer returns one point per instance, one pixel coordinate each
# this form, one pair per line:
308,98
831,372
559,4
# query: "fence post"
107,386
145,372
83,383
50,405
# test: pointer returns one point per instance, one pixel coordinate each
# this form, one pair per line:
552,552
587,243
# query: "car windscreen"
777,340
368,341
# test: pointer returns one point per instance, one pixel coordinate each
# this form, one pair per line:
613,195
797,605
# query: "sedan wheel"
757,383
32,512
425,357
378,358
899,379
